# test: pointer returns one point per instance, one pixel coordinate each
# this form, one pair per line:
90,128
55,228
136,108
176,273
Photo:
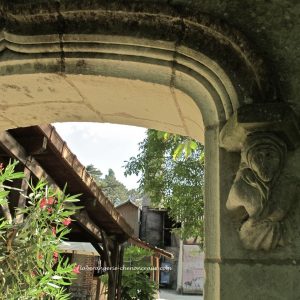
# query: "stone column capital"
275,118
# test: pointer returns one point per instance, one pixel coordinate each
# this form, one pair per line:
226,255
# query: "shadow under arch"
168,72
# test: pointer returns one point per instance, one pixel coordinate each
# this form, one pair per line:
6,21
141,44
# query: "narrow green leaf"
193,145
166,136
178,151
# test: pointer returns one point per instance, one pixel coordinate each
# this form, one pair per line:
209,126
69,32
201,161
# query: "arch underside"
112,79
184,82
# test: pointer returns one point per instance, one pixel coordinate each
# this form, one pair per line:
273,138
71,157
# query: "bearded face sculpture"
260,189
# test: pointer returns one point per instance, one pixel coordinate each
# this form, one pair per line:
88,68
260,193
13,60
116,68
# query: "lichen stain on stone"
51,89
81,63
29,96
10,86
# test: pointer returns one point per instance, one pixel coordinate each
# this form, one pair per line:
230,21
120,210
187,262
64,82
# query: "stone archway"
148,66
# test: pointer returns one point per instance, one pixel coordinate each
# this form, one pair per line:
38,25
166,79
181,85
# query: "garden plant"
31,265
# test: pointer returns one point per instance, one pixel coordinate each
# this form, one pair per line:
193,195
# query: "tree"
135,196
172,175
95,173
30,264
112,188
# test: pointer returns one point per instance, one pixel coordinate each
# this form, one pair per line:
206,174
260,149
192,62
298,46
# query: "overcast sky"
103,145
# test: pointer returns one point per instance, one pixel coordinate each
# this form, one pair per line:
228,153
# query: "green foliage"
31,266
172,175
112,188
95,173
135,196
136,283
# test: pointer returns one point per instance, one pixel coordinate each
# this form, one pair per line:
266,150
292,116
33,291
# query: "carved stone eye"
268,155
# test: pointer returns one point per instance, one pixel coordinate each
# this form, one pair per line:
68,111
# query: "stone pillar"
252,207
212,215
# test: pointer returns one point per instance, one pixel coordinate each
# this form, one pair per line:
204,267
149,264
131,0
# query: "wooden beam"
158,251
157,269
115,256
152,273
35,145
111,275
86,223
119,281
22,198
98,288
99,201
98,248
106,249
5,210
14,149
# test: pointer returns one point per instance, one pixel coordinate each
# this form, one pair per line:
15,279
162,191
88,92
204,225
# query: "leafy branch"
172,175
31,266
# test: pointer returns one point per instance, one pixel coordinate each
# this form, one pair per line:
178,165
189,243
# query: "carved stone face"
265,162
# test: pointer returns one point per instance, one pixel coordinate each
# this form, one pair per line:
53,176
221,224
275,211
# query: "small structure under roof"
99,227
78,248
131,213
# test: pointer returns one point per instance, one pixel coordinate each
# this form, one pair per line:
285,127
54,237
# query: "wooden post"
98,289
22,198
111,275
156,272
157,269
152,273
115,255
119,284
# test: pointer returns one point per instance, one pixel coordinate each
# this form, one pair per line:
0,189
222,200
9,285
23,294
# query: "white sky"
103,145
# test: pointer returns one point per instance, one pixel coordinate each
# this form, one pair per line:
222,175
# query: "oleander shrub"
31,265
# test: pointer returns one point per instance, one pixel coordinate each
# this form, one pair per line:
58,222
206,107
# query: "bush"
31,266
136,283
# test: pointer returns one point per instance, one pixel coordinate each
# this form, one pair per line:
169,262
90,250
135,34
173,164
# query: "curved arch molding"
68,62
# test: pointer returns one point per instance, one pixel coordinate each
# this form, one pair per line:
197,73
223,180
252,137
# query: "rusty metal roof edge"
136,241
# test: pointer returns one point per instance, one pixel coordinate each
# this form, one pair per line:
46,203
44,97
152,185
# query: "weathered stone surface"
144,19
271,25
194,49
265,191
276,118
274,280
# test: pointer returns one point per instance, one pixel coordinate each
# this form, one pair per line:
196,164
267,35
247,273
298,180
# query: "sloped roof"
136,241
50,151
49,154
128,202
